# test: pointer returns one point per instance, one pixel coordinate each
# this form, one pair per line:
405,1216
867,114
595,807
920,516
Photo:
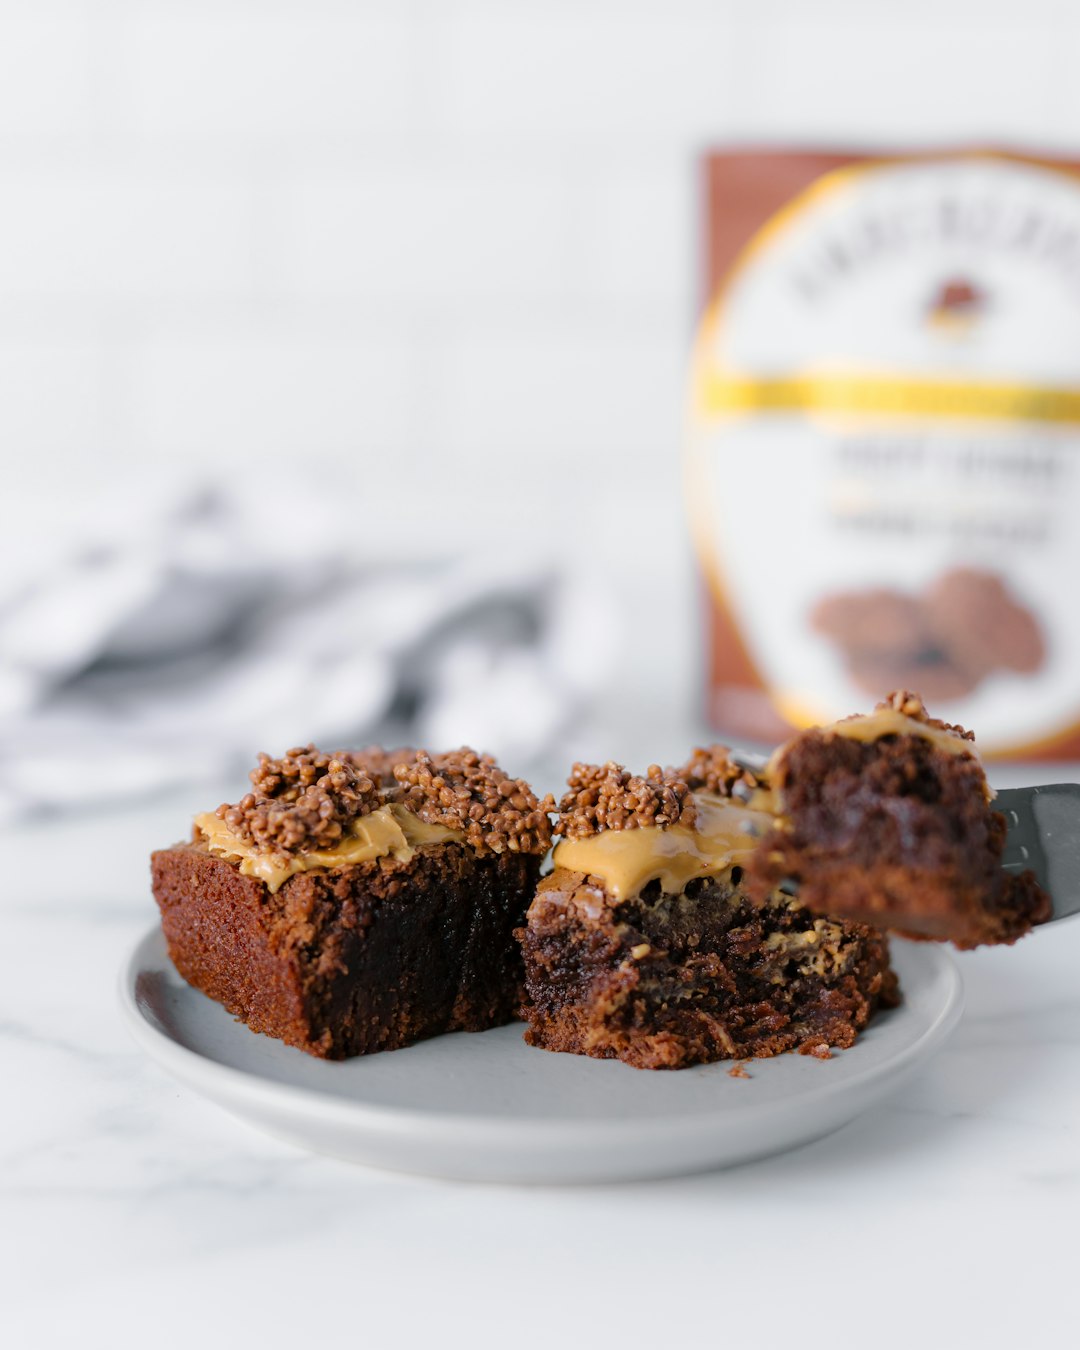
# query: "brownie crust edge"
351,960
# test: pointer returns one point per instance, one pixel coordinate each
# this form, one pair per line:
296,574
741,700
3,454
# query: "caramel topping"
391,830
901,714
883,721
889,722
723,835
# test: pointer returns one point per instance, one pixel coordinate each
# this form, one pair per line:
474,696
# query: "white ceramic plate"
487,1107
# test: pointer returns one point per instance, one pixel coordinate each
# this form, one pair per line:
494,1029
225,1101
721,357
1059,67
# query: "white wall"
459,232
445,249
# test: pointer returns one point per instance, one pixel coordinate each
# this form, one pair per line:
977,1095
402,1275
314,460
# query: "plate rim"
200,1071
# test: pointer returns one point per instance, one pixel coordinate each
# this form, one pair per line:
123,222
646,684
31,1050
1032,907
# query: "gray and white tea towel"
174,649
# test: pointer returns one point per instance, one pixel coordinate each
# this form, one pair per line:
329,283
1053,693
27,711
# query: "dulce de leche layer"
705,819
724,835
389,831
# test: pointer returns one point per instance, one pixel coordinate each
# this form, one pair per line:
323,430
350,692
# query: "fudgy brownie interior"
663,981
643,946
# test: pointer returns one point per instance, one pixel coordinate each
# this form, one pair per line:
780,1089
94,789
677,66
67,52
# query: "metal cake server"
1044,834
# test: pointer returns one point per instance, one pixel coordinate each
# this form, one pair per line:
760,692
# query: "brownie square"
888,820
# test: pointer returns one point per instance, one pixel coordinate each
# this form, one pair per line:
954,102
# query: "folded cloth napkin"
173,650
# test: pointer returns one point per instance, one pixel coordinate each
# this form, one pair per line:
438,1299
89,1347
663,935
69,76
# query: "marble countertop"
134,1212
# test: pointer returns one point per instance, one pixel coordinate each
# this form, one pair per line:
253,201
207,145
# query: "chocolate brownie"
358,901
643,946
888,820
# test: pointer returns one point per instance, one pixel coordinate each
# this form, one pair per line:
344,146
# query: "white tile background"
432,251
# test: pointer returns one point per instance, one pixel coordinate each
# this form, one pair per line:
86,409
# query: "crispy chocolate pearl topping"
911,705
378,764
710,768
609,797
302,802
467,791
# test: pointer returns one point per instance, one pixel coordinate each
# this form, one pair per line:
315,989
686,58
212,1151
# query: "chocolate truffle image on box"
945,641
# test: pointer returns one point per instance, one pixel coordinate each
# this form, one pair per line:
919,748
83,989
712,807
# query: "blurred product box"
883,441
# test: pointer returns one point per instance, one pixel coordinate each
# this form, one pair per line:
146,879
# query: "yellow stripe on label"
885,396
